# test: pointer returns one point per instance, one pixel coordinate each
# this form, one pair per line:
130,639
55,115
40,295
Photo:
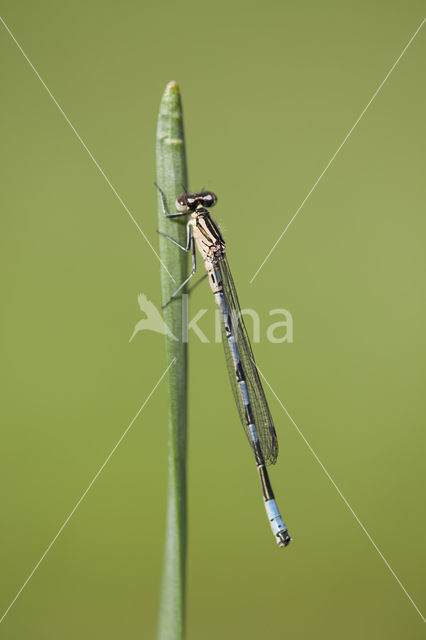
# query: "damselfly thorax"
205,232
209,243
207,236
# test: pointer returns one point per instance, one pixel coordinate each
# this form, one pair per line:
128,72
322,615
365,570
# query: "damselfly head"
188,202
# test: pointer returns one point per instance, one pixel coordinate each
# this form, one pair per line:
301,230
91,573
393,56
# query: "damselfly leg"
194,263
189,244
164,205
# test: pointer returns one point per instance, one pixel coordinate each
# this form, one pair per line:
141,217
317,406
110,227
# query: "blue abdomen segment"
277,525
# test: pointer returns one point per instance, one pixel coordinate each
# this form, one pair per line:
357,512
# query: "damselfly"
203,233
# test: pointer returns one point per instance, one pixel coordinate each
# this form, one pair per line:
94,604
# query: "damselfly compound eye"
209,198
181,203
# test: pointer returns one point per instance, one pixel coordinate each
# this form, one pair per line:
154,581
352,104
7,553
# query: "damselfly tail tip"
283,538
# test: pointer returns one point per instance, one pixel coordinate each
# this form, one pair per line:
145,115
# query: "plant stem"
172,179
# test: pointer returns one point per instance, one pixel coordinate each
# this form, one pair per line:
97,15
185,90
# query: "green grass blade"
172,178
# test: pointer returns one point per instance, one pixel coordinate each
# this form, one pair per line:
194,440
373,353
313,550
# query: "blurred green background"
269,92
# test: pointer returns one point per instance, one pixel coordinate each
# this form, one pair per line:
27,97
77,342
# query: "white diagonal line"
80,139
340,147
343,498
85,492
